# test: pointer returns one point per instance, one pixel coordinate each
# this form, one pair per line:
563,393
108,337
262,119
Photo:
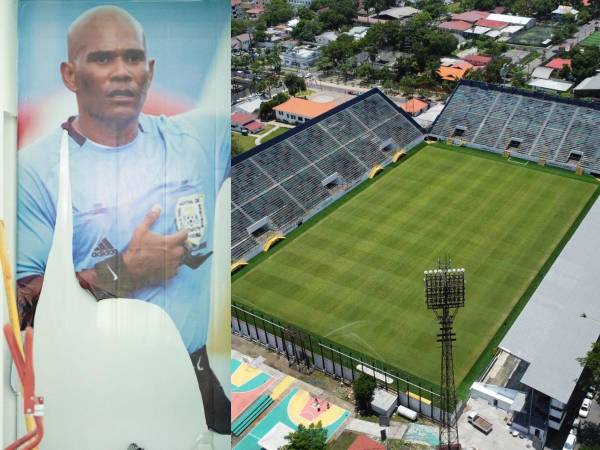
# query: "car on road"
570,442
585,408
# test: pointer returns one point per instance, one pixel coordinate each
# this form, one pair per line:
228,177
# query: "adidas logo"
103,249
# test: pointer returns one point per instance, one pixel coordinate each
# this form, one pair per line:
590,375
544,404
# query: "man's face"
111,73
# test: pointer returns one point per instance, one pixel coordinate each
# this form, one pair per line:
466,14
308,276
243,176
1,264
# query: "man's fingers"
178,238
150,218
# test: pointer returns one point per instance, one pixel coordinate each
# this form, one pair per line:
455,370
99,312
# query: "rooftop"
471,16
515,20
304,108
558,63
451,73
241,118
478,60
550,334
589,84
399,12
491,23
455,25
363,442
414,105
553,85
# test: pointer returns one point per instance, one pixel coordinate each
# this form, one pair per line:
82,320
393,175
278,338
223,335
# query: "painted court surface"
592,40
356,275
247,385
297,407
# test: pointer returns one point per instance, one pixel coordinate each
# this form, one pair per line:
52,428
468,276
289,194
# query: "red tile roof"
241,118
471,16
304,108
558,63
455,25
496,24
254,126
364,443
413,105
478,60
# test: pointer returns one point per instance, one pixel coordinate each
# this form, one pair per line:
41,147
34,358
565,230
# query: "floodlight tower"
444,295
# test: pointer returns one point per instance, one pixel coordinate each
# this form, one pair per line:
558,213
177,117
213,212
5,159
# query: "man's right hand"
152,258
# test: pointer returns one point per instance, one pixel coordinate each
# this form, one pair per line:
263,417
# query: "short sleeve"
35,224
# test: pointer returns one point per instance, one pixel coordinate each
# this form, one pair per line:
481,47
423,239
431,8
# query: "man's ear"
150,71
67,71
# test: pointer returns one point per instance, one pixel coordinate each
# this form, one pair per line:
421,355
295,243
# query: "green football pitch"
355,274
592,40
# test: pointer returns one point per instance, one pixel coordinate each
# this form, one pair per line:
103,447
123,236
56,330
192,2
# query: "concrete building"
398,13
236,9
241,42
326,38
301,3
300,57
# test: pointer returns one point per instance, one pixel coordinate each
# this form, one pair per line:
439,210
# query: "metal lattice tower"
444,295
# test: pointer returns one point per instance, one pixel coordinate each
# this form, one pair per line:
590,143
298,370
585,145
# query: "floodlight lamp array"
445,288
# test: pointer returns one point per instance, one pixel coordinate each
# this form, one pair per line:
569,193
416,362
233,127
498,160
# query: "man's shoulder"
42,154
193,124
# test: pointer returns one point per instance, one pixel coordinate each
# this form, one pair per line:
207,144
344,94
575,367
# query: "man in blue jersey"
143,192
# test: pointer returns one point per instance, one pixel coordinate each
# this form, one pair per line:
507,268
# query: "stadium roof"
553,85
304,108
455,25
550,334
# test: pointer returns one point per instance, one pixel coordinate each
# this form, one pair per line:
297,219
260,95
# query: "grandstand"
280,184
564,132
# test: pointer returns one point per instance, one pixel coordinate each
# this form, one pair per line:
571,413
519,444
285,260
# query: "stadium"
361,200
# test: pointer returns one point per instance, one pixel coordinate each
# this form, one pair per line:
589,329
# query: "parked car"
577,423
574,431
589,395
585,408
570,442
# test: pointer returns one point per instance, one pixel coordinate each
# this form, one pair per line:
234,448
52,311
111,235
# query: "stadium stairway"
250,415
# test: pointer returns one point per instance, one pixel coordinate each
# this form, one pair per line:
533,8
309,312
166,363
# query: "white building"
358,32
526,22
300,57
326,38
305,3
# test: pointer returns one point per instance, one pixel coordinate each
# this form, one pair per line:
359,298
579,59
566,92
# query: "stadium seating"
282,181
545,126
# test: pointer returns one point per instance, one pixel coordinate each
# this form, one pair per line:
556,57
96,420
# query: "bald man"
143,192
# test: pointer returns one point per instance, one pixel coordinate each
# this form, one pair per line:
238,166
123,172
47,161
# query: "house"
300,3
559,63
300,57
560,12
326,38
245,122
470,16
297,110
236,9
453,69
459,26
358,32
241,42
590,87
398,13
478,60
414,106
255,12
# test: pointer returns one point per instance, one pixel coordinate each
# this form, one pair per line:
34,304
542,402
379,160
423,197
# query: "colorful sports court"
297,407
248,384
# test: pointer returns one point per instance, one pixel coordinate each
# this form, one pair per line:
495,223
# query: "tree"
278,11
312,438
585,61
591,361
265,112
363,388
589,435
239,26
294,83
